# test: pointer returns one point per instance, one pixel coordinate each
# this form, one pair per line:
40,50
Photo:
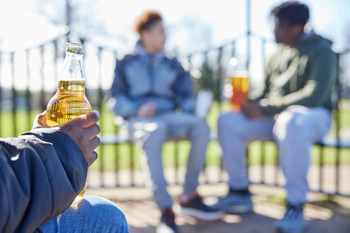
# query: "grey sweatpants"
151,133
294,130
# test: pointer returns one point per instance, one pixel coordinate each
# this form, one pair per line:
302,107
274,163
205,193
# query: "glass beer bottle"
70,100
237,85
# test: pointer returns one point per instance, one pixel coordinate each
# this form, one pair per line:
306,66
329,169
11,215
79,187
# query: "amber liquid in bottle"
70,100
68,103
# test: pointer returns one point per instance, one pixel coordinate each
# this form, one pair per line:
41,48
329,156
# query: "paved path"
143,215
214,175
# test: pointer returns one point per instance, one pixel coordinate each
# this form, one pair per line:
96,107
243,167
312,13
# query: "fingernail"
93,156
96,113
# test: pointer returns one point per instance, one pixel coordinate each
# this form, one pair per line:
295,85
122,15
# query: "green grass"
119,157
108,152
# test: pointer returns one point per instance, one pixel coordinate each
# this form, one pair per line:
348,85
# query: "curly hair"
292,13
146,20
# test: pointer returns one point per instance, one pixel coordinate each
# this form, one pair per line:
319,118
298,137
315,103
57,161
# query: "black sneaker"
293,220
195,207
167,222
235,202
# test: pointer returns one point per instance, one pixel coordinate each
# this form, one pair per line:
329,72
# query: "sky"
22,27
227,18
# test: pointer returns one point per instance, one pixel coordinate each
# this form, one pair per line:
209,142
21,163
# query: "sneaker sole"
301,229
201,215
239,209
234,209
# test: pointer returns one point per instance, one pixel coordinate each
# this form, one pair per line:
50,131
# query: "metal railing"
28,80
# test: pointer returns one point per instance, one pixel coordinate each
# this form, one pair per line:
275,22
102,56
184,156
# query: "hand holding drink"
83,130
70,100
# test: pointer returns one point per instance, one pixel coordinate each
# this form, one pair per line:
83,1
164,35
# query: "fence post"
219,77
14,96
99,107
55,60
337,126
42,95
205,76
28,93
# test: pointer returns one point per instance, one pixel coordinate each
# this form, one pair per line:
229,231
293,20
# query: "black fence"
28,80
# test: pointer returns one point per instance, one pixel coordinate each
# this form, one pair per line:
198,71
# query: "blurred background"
191,25
204,35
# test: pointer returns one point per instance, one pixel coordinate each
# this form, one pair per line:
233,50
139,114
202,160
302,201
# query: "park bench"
334,141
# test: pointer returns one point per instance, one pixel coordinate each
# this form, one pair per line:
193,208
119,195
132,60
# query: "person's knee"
198,131
228,118
106,209
230,122
290,124
98,212
100,205
156,135
201,128
223,120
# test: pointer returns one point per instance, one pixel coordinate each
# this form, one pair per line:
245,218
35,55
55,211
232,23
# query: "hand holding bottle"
70,102
83,130
252,110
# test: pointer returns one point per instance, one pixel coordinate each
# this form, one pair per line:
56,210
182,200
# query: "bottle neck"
73,67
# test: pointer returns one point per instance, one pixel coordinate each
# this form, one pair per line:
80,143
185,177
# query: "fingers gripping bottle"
70,100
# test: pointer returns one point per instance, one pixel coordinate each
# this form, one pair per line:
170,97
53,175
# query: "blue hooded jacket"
143,78
38,181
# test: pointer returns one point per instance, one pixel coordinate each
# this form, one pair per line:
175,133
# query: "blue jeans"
94,214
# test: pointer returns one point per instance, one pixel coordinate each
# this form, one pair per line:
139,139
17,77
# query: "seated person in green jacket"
43,170
293,107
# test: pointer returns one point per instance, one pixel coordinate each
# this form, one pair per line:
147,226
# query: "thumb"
87,120
40,121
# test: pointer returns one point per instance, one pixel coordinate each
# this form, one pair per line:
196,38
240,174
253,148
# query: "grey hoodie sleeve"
41,172
118,100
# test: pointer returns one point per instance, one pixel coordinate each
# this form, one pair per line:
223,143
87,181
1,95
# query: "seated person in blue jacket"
148,89
43,170
293,107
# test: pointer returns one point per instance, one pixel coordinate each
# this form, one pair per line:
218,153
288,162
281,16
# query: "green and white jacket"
300,75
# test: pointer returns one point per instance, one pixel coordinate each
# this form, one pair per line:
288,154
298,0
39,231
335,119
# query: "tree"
80,14
189,34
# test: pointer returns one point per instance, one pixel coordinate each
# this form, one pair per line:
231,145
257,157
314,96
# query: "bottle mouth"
75,48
